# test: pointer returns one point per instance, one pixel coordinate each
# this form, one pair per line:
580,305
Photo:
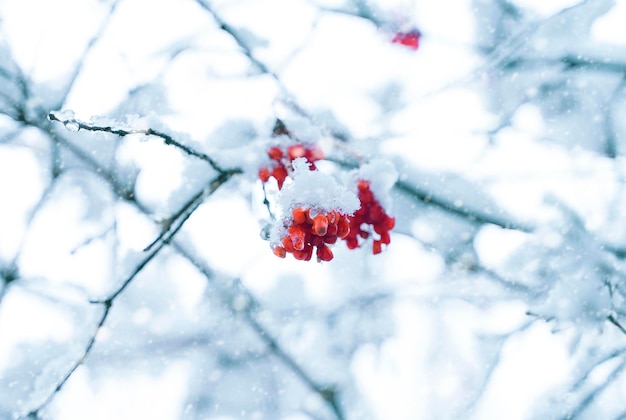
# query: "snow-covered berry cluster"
309,230
370,213
315,209
281,161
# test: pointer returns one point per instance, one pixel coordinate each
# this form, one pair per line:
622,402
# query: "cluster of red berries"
281,161
370,213
308,231
409,39
312,228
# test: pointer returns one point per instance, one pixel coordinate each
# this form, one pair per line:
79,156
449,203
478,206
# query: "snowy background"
135,277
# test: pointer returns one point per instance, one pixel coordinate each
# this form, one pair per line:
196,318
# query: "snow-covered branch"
74,124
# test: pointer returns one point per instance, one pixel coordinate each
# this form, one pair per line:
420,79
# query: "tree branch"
79,67
182,215
247,51
329,394
580,408
568,62
467,213
76,125
615,322
34,413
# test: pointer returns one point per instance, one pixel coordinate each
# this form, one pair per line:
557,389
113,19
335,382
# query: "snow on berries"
315,210
316,190
308,230
281,156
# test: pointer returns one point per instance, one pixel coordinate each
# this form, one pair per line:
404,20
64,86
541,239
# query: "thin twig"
181,216
467,213
79,67
615,322
108,302
261,67
34,413
568,62
163,240
591,396
122,132
329,394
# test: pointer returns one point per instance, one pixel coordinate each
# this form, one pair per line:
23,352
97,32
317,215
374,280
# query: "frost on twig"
73,124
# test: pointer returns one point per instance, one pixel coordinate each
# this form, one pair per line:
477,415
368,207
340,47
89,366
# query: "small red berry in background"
304,233
409,39
370,213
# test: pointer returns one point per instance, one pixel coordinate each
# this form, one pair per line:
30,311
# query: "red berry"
288,244
298,236
324,253
408,39
280,173
275,153
305,254
352,243
363,185
320,225
264,174
370,213
366,197
296,151
316,240
280,252
299,216
343,227
379,228
306,234
313,154
333,218
376,212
